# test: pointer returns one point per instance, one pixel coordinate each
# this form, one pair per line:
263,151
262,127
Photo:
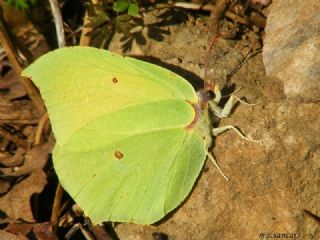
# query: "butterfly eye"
205,96
209,95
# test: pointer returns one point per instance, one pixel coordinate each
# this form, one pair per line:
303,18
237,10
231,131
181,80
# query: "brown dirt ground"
272,182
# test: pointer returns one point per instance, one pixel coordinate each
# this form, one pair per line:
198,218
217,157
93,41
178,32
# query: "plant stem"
85,39
54,4
13,58
56,204
55,9
40,128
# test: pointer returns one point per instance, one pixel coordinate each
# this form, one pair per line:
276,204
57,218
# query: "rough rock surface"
291,50
272,182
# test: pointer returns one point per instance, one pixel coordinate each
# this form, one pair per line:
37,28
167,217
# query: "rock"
271,182
291,50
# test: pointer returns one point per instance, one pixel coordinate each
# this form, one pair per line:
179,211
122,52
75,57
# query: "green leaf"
123,25
120,5
21,4
127,149
123,18
10,2
133,9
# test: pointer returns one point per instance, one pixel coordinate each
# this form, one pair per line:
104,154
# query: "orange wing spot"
118,155
115,80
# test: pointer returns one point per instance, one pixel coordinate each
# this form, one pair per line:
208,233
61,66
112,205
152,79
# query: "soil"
272,183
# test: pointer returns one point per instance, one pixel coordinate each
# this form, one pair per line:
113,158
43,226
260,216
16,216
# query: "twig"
12,55
255,17
63,207
239,65
236,18
86,233
55,9
314,217
39,131
190,6
61,43
56,204
214,24
10,49
216,15
19,121
85,39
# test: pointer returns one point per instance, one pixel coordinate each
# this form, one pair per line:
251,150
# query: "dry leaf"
15,160
10,236
35,159
16,203
11,81
20,112
4,186
20,228
44,231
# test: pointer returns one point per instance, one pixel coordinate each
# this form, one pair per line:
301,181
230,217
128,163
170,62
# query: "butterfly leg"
214,104
213,160
223,113
219,130
226,110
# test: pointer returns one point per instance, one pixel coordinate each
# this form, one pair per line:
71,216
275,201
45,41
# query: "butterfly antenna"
244,102
213,160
